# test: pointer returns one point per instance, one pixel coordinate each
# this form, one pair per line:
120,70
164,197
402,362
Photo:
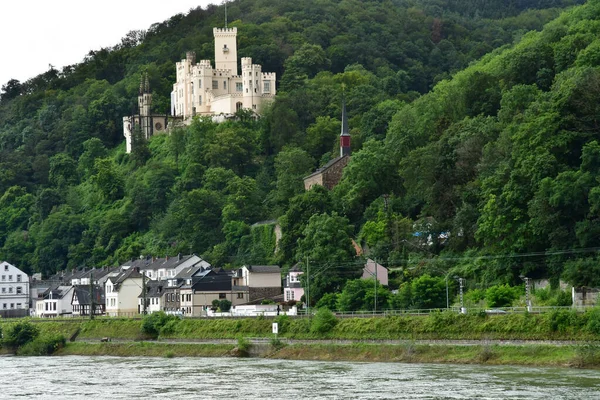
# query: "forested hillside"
489,168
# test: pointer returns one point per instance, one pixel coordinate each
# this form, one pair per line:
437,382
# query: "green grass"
146,349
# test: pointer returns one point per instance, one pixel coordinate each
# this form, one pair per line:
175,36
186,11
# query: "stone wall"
257,293
333,175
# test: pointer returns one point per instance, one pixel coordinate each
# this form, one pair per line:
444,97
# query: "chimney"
179,257
153,258
167,257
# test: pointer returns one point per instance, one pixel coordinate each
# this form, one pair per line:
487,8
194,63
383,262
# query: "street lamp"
527,292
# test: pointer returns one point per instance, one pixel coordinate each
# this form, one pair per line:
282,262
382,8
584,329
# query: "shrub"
323,322
243,346
153,323
283,322
43,345
593,324
500,296
328,300
20,334
225,305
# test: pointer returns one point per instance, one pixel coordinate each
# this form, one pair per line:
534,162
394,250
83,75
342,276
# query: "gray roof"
326,166
264,269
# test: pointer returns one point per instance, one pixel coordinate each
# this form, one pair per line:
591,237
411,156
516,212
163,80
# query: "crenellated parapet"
224,31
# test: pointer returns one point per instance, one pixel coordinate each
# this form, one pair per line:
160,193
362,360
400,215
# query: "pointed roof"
344,118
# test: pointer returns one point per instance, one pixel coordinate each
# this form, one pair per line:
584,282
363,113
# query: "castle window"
199,100
267,87
215,84
224,85
199,84
238,106
239,87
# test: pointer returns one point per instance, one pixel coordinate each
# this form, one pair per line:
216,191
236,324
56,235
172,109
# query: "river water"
76,377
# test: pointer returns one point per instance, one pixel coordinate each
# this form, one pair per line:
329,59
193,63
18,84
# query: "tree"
10,90
328,247
291,165
20,334
359,294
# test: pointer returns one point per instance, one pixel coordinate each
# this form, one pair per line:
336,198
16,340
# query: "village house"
153,296
81,301
373,270
57,302
14,291
121,293
213,284
260,282
293,290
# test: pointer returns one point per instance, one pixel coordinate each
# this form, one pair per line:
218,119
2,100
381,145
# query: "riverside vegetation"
176,337
474,127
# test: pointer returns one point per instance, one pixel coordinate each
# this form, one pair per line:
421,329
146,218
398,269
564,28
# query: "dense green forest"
474,128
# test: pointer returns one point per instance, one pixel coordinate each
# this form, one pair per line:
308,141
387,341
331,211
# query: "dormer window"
225,49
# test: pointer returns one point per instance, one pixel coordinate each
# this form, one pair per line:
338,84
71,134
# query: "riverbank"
542,355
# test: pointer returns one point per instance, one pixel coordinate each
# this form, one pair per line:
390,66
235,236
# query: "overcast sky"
36,33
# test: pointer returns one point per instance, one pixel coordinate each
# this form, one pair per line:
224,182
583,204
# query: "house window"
291,294
12,306
240,295
10,290
10,277
18,278
3,290
6,267
54,306
18,305
19,290
3,277
189,297
267,87
222,296
4,306
215,84
47,306
239,87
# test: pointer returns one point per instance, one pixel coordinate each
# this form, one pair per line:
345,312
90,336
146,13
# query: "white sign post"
275,328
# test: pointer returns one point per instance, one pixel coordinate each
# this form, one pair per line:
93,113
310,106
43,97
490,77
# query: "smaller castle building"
147,123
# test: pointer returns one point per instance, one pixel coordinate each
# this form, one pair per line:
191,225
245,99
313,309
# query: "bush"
323,322
153,324
225,305
593,324
328,300
20,334
283,322
243,346
500,296
43,346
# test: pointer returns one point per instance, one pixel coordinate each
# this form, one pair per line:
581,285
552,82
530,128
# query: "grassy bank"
584,356
529,355
147,349
558,325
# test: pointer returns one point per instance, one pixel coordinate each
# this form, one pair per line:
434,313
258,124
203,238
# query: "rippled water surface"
226,378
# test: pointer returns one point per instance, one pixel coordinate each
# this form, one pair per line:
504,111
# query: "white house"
121,293
57,302
293,290
14,291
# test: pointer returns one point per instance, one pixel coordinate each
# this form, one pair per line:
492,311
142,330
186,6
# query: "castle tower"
145,97
345,149
226,49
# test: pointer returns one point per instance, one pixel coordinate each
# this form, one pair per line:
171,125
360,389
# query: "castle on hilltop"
221,91
203,90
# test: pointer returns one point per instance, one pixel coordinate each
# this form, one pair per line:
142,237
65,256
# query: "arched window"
238,106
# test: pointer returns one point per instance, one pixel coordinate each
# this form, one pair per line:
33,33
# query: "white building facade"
14,290
203,90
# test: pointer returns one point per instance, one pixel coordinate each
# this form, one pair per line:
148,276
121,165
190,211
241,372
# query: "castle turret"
345,149
226,49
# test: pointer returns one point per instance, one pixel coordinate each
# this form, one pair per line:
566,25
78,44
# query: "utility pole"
375,306
144,293
307,287
527,292
91,294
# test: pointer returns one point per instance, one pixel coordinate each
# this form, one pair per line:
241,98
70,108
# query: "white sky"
35,33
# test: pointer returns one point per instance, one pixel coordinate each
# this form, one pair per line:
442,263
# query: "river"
76,377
